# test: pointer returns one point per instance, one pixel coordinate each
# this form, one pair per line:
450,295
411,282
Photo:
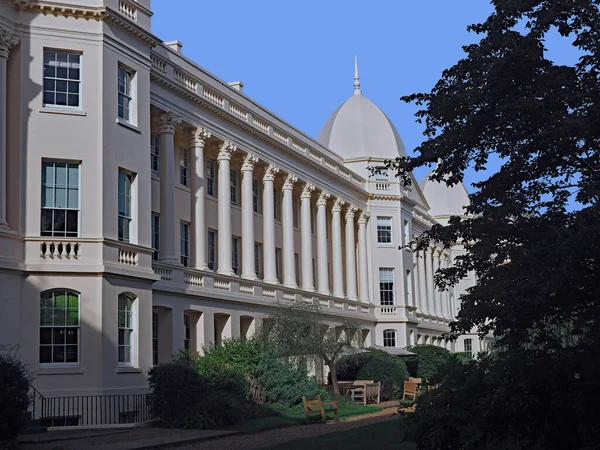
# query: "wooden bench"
314,405
410,389
365,390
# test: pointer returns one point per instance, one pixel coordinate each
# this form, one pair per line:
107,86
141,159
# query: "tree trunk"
334,379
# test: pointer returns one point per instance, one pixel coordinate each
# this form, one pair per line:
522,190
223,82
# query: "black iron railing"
90,410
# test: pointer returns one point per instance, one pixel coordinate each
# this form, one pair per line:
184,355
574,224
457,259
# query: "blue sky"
296,57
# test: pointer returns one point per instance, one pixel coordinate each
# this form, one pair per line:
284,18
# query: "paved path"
268,439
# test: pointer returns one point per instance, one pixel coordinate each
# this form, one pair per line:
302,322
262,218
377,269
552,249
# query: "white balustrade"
128,9
280,136
238,111
222,285
214,97
187,81
128,256
193,279
158,63
289,296
296,146
164,272
247,289
316,156
262,126
382,186
59,250
389,311
269,293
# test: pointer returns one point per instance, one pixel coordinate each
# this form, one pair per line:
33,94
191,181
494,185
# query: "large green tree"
533,229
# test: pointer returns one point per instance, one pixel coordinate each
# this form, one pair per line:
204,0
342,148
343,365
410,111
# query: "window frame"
409,287
278,265
155,154
387,295
67,187
67,80
154,338
184,243
122,217
233,187
470,350
295,212
187,332
389,336
276,205
67,293
256,197
235,254
383,234
258,260
210,172
184,167
406,231
155,230
211,262
131,312
129,83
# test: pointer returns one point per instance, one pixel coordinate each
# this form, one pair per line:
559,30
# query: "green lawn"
381,436
285,417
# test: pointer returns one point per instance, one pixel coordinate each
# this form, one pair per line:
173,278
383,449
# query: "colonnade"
356,281
428,299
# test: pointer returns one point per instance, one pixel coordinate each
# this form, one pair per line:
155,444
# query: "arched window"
468,343
126,321
389,338
59,327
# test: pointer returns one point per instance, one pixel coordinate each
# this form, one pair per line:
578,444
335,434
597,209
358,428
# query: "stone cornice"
65,9
132,28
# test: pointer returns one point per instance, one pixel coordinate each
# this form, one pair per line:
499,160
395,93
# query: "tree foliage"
15,378
297,330
532,229
429,360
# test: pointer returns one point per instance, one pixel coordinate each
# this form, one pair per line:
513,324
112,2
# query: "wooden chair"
410,389
358,391
314,405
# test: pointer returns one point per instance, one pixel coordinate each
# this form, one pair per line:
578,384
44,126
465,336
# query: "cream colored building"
146,206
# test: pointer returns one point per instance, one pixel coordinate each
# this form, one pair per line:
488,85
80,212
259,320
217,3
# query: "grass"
389,434
286,417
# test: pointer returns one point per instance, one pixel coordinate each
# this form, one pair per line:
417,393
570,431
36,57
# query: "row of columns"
355,288
7,41
429,299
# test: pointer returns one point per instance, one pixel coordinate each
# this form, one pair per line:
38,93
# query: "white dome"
358,128
444,200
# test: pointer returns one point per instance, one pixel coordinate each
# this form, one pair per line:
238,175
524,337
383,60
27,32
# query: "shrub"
15,378
430,360
376,365
181,398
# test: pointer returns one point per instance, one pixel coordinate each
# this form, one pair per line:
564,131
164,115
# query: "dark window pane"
62,57
71,337
58,336
72,317
61,72
46,336
61,99
74,58
45,354
46,225
61,86
49,85
48,98
59,316
74,74
49,71
73,87
59,221
121,354
73,100
71,356
72,221
58,353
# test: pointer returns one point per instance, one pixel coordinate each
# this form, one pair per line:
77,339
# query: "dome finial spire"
356,77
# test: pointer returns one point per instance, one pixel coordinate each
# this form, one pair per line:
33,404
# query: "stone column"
437,300
307,269
289,270
336,248
429,269
168,248
248,218
350,254
7,41
197,140
415,275
363,262
445,293
322,256
224,219
422,282
269,225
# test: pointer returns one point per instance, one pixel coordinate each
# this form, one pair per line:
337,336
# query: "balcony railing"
214,283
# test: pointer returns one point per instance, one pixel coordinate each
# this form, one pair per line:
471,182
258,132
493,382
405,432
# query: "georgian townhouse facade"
147,206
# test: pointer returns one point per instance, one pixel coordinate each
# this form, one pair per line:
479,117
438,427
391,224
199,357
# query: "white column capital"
364,218
225,151
7,41
270,172
249,161
290,180
199,136
337,205
168,123
307,190
351,211
323,197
